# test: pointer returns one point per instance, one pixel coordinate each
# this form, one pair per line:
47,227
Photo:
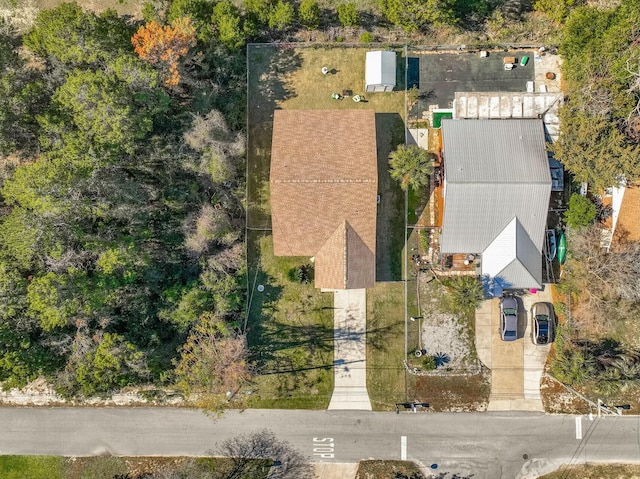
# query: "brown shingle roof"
628,225
324,183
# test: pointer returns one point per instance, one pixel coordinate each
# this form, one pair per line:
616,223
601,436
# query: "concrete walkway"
350,350
516,366
333,470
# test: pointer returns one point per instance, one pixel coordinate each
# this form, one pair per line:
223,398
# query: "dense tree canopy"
414,15
112,246
77,37
600,124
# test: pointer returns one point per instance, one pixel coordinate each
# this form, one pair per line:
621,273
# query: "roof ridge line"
498,182
346,252
364,180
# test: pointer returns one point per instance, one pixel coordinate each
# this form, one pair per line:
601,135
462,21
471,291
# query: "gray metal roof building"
496,171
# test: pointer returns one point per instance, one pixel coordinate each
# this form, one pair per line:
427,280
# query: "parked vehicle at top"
509,63
543,323
508,318
524,60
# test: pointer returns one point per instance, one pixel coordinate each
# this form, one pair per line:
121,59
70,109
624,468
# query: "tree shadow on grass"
297,357
390,217
279,341
267,88
378,336
268,66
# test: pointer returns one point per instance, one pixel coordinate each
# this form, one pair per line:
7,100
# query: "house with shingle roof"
623,225
323,191
497,186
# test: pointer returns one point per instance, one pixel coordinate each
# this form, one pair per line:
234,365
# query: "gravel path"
445,335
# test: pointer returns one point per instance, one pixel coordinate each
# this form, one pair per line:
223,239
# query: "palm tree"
572,366
465,293
626,367
411,166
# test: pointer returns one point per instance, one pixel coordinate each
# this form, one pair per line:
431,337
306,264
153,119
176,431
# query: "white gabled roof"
497,190
380,68
513,257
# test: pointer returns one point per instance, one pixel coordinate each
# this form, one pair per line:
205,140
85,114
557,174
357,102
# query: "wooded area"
120,244
122,168
600,122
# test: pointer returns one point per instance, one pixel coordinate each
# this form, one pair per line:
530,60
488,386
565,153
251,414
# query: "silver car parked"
509,318
543,325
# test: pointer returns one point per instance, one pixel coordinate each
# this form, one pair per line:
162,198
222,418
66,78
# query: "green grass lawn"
418,205
108,467
290,333
390,213
33,467
290,326
385,345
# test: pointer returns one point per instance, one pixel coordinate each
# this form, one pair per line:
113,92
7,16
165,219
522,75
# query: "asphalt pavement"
487,445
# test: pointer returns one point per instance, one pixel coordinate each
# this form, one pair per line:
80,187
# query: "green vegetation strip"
439,116
110,467
384,469
33,467
290,331
385,345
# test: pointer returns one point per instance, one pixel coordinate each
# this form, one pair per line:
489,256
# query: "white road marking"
324,447
403,448
579,427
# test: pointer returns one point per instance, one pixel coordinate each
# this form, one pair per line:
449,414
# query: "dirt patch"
557,400
596,471
445,336
386,469
453,393
458,383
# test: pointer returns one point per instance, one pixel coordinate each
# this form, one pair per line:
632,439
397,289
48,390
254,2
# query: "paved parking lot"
440,75
516,366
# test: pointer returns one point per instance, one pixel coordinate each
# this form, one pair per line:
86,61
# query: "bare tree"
213,361
220,148
227,260
210,225
607,284
248,452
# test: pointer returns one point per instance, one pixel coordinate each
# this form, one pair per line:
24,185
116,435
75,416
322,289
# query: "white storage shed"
380,71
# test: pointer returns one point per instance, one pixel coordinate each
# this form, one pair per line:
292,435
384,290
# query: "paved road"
488,445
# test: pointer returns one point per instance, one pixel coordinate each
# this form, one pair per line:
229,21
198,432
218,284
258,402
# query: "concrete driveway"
516,366
350,350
